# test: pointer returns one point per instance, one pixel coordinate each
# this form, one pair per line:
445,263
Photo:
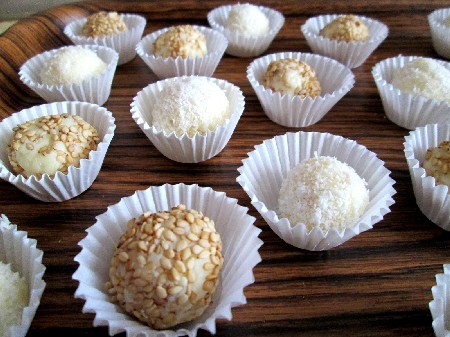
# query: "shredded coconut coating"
247,20
183,41
424,77
166,267
348,28
323,192
103,24
51,143
190,105
71,65
13,298
437,163
292,77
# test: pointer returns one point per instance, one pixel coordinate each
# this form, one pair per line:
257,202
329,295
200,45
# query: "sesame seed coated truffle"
437,163
103,24
348,28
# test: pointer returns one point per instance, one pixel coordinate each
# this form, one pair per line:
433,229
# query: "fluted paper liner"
262,174
352,54
216,44
439,306
240,251
21,252
294,111
440,33
242,46
123,43
62,186
95,89
433,200
183,148
407,110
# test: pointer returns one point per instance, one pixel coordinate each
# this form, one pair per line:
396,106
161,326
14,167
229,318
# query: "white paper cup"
240,251
440,33
242,46
123,43
294,111
93,90
263,172
183,148
433,200
62,186
216,44
21,252
352,54
439,305
407,110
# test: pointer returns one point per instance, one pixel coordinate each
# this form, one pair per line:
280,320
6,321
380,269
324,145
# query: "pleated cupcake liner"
240,251
351,54
335,79
439,305
123,43
61,186
263,172
407,110
242,46
216,44
183,148
440,33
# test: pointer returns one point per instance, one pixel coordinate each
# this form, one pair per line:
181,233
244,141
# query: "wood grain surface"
377,284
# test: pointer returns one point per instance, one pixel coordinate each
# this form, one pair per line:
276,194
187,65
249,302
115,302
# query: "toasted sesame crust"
103,24
437,163
348,28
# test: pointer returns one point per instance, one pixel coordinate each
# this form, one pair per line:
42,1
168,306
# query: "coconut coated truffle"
183,41
190,105
71,65
323,192
166,267
348,28
424,77
103,24
247,20
51,143
437,163
292,77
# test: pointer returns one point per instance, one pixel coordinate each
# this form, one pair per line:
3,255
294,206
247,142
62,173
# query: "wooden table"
377,284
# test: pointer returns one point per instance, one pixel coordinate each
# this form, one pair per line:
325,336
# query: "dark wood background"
377,284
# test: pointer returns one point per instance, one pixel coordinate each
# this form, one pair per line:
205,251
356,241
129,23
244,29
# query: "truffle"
247,20
190,105
71,65
424,77
292,77
183,41
437,163
323,192
51,143
166,267
348,28
103,24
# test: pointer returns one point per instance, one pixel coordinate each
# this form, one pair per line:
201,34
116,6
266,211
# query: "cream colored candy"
103,24
71,65
166,267
183,41
51,143
292,77
437,163
347,28
323,192
247,20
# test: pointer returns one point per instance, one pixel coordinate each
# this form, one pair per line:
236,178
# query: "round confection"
437,163
424,77
103,24
247,20
323,192
50,144
190,105
348,28
13,298
71,65
180,41
292,77
166,267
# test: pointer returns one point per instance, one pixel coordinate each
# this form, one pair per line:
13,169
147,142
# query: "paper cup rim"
433,18
437,305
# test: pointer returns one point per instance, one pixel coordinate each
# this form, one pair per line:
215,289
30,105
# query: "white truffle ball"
247,20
